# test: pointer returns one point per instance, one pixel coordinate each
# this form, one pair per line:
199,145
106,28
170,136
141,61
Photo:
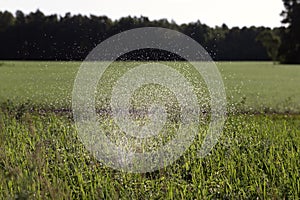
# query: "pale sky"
211,12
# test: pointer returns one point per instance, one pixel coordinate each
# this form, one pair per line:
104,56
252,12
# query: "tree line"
36,36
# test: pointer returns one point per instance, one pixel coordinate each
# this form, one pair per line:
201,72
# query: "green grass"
251,85
47,83
262,85
257,157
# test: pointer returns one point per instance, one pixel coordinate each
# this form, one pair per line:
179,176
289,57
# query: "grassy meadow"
256,85
257,157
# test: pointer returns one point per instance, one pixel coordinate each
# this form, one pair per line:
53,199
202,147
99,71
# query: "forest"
36,36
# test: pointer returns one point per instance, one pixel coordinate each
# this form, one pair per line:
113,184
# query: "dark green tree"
290,49
271,42
6,20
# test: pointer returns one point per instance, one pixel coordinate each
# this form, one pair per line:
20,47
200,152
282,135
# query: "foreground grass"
42,158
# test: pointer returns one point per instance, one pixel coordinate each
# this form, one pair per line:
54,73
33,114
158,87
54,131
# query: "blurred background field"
250,86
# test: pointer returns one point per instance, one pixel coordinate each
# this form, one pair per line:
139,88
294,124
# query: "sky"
211,12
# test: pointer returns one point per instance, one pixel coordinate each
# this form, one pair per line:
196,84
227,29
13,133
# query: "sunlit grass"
42,157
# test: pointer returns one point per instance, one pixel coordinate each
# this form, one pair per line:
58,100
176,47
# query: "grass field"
258,85
257,157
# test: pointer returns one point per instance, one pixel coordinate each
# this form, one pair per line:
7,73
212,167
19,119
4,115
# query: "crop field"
256,85
256,157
